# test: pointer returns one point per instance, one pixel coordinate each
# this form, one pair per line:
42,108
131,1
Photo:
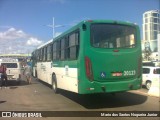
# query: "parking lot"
39,97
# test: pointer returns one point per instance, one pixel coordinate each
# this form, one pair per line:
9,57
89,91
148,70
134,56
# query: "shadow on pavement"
105,100
2,102
13,84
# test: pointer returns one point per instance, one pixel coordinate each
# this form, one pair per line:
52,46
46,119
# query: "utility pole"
53,26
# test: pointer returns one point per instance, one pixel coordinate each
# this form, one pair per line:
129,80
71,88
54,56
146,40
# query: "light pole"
53,26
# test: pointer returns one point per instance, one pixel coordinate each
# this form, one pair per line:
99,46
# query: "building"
159,47
15,55
151,29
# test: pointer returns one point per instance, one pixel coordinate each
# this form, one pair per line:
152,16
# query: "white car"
14,68
149,75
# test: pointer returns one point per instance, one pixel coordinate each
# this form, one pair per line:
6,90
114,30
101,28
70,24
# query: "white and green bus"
94,56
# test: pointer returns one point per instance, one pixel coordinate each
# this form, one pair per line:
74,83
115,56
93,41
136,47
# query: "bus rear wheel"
54,84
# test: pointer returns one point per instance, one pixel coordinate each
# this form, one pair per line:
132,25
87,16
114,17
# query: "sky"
24,24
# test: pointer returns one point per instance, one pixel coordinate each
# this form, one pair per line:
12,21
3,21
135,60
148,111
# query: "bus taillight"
89,72
90,20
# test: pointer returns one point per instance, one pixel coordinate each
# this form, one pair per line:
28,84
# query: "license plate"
116,74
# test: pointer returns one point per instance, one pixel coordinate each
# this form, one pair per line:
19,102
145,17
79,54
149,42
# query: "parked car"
14,68
149,75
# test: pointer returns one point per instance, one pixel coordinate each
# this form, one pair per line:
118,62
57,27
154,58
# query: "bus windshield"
113,36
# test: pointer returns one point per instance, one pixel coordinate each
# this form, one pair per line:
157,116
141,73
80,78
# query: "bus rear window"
113,36
10,65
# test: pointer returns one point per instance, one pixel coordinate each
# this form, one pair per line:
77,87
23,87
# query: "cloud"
12,34
33,42
13,40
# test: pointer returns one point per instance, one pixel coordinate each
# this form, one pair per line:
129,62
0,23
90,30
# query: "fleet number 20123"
128,73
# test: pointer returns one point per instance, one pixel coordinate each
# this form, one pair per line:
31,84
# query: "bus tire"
54,84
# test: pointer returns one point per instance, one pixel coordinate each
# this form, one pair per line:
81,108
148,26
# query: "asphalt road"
39,97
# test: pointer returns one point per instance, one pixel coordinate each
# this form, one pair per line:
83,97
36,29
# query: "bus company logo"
6,114
103,74
21,114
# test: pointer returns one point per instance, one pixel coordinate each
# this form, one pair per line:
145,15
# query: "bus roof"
83,22
95,21
45,44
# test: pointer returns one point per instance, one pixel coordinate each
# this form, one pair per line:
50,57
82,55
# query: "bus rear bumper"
109,87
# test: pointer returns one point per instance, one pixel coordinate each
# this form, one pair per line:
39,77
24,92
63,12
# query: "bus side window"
73,45
58,50
41,54
44,54
67,47
38,55
77,43
54,51
49,52
62,49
